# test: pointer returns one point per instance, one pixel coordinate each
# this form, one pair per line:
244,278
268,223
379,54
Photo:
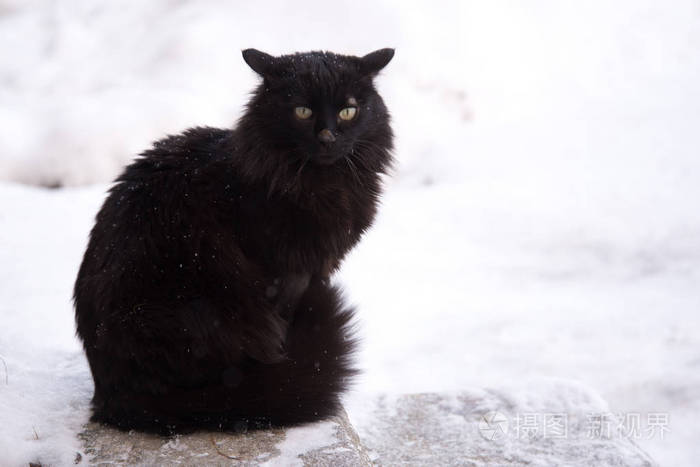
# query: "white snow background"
542,223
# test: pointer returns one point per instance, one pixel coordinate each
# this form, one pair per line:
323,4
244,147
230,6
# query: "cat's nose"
326,136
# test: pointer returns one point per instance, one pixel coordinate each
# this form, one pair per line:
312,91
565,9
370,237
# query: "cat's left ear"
260,62
373,62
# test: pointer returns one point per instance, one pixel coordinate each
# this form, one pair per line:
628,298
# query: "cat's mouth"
327,157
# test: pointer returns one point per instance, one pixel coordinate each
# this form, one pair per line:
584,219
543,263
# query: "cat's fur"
203,299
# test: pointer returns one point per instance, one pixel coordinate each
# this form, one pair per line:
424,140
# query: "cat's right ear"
260,62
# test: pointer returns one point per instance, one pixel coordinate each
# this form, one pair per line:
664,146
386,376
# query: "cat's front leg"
285,293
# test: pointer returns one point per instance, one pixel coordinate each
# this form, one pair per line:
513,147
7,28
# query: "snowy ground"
542,224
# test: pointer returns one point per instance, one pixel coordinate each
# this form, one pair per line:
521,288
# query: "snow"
45,391
541,223
302,440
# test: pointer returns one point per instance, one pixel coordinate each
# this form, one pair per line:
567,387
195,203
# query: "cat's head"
320,107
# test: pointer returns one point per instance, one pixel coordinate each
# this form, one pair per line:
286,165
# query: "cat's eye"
348,113
302,112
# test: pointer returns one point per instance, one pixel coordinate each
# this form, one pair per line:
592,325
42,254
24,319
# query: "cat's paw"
264,341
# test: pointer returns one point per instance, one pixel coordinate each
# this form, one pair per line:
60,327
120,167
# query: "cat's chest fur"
305,231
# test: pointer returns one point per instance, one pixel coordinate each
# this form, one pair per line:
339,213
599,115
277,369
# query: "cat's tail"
320,343
306,386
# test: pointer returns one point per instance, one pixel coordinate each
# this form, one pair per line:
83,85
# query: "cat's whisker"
361,159
371,145
353,170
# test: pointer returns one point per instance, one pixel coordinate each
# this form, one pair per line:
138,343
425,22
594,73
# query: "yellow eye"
348,113
302,112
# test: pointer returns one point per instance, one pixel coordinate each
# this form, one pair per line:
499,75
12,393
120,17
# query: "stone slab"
329,443
493,428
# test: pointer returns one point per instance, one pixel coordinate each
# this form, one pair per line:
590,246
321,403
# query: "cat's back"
178,155
153,200
167,172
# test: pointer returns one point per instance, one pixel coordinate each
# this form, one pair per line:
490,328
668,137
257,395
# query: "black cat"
203,299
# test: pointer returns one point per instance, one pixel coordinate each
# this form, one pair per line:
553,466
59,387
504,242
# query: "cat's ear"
260,62
373,62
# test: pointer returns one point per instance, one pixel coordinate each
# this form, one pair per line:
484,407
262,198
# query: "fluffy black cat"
203,299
